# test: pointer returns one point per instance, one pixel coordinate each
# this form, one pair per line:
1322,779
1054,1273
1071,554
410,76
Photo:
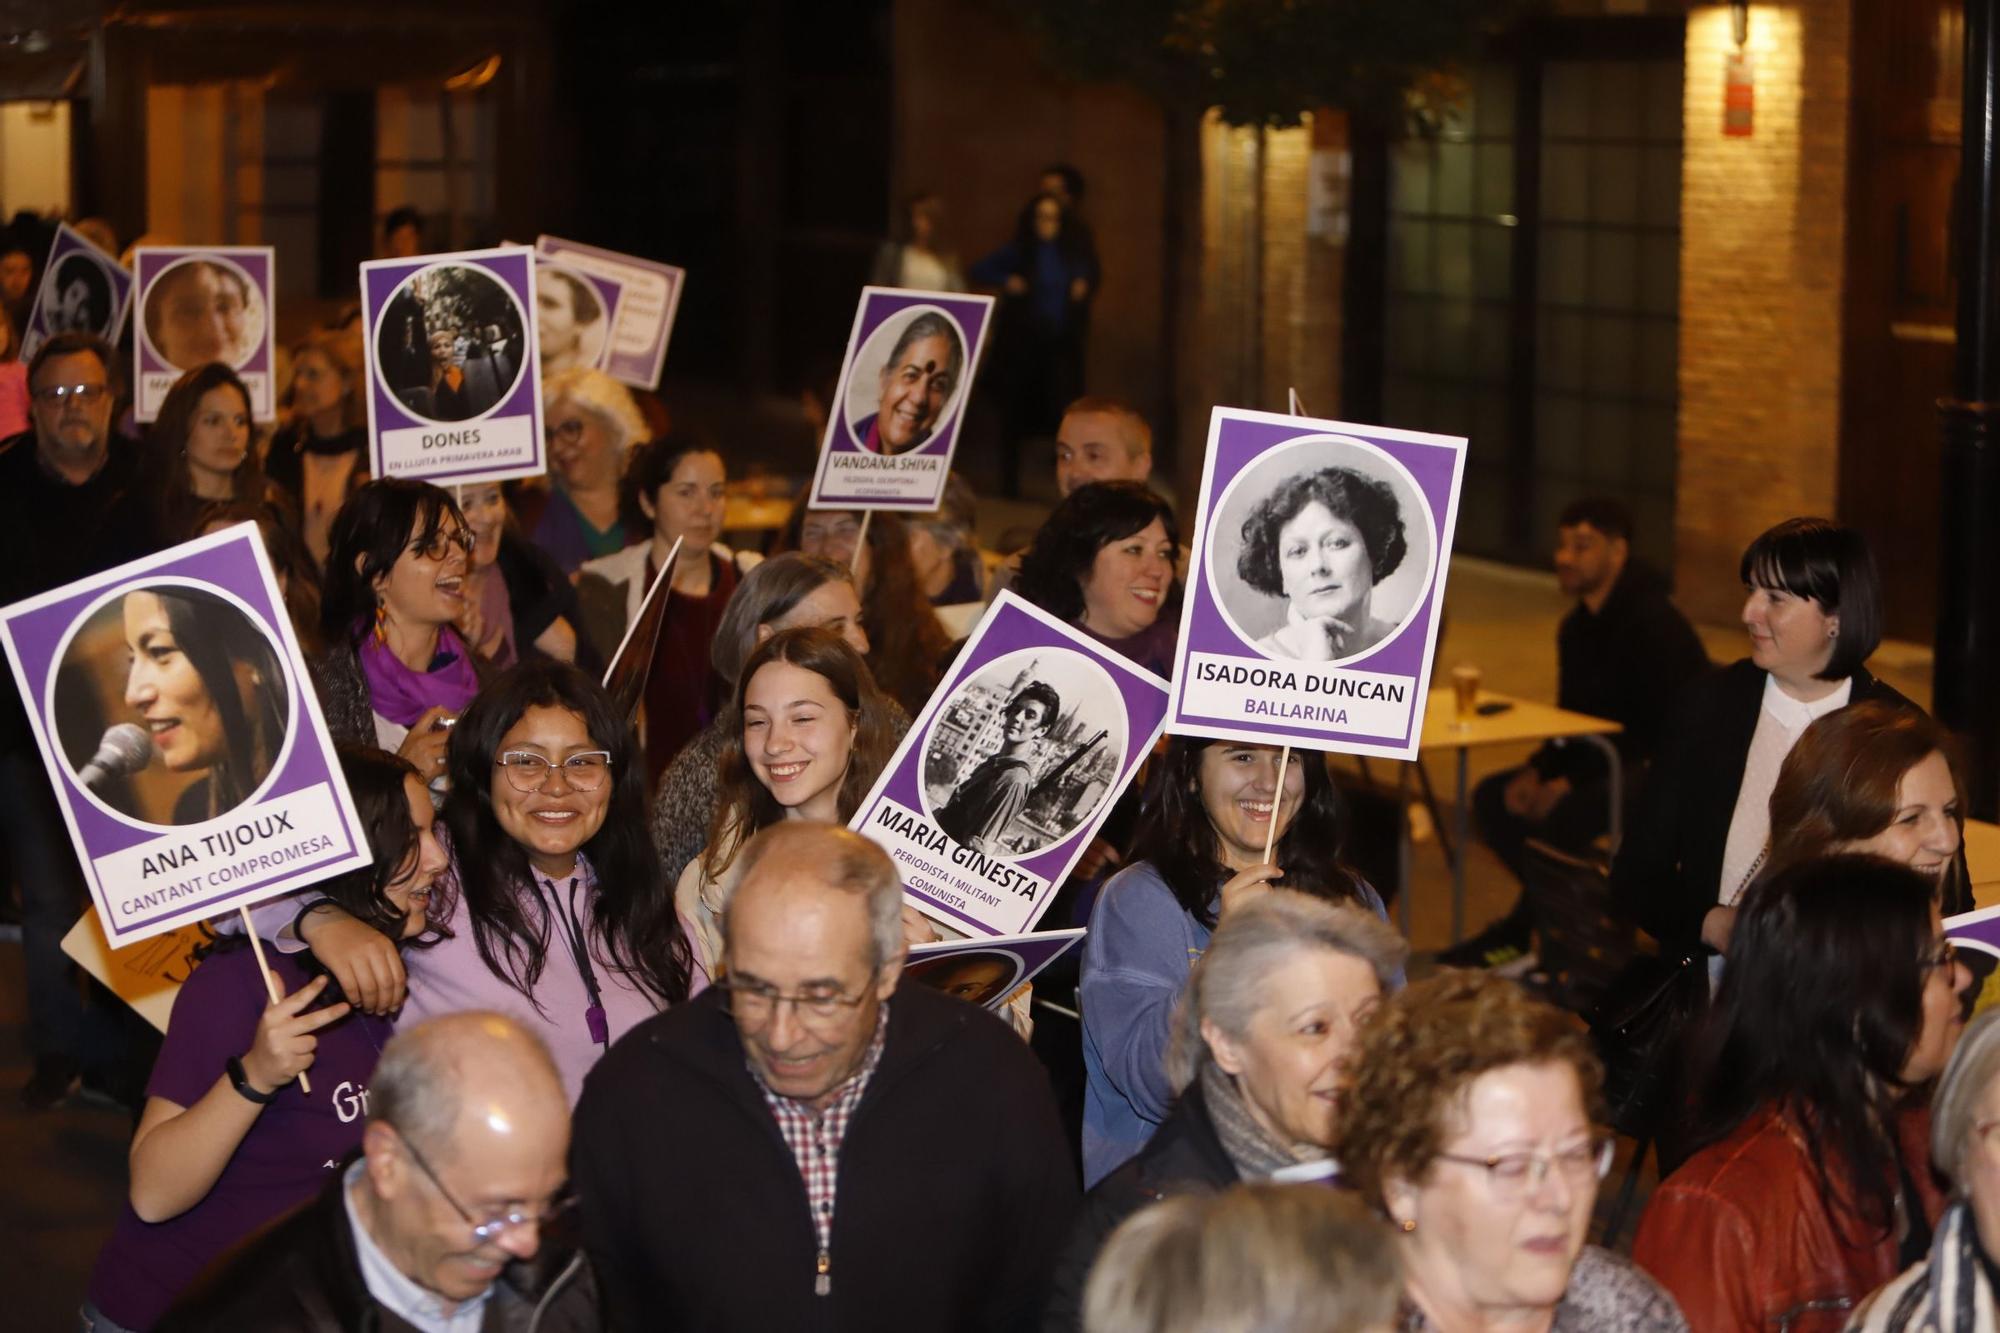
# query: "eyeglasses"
493,1227
86,395
1512,1175
440,544
753,1005
530,772
569,432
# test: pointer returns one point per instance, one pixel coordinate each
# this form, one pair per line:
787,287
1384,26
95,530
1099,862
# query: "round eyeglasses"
527,772
1513,1175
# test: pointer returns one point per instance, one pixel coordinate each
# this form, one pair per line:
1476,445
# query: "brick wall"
1762,244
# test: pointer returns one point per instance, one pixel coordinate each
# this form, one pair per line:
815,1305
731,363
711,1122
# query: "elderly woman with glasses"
1839,1009
1261,1038
1467,1120
1956,1288
593,423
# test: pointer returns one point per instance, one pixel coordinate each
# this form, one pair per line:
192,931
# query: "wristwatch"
241,1082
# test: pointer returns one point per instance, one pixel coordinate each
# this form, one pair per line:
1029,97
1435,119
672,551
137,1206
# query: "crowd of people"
615,1030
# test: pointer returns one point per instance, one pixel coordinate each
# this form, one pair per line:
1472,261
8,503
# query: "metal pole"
1966,686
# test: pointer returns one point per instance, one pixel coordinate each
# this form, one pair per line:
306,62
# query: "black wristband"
240,1080
299,918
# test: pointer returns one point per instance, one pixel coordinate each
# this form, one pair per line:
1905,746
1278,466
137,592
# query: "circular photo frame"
450,344
1024,752
199,687
1291,559
572,321
200,309
906,372
977,976
80,295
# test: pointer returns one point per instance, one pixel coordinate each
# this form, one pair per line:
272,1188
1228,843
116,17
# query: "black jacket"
1184,1156
539,593
1669,868
1627,661
302,1275
955,1190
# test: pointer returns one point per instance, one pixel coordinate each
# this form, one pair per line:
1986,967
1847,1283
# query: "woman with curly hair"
1467,1119
1104,562
1322,541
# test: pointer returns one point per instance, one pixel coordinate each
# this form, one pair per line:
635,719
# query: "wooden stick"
860,542
1278,801
271,986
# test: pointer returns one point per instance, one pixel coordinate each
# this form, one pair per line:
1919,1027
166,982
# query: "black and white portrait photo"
1024,752
1320,551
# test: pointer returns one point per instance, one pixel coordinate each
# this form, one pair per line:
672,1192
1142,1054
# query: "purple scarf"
402,695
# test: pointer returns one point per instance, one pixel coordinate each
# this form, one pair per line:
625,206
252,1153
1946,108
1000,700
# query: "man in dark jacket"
455,1204
72,504
1623,653
813,1145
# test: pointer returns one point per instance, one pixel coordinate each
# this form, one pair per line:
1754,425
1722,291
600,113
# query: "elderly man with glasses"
811,1144
449,1221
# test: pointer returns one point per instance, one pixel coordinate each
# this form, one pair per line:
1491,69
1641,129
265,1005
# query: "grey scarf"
1254,1150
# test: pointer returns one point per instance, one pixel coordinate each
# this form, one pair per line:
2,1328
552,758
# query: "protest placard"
83,290
454,384
147,974
200,304
1010,769
575,313
182,737
649,297
901,400
1316,573
985,971
1976,937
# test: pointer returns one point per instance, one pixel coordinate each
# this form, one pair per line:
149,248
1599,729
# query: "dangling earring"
381,625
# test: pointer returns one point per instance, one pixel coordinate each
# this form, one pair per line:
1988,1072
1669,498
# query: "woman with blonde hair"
319,454
592,423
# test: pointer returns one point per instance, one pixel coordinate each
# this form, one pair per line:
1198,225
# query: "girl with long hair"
202,445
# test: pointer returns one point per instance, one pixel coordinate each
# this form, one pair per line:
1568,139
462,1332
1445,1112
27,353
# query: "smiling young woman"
1104,562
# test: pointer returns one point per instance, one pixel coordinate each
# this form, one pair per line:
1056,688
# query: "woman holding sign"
228,1141
1197,856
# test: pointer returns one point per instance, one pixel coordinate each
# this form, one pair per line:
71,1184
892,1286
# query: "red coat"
1742,1238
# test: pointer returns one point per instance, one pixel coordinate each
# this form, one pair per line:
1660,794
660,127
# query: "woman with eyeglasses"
1467,1119
592,423
556,913
1841,1005
228,1141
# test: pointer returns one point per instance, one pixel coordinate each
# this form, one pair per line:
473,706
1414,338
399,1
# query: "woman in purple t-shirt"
228,1141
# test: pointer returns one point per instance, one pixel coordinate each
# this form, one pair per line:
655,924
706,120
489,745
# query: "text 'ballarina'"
1278,678
222,842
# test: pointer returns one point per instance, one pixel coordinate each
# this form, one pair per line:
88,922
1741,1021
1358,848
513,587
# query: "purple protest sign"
454,380
83,290
1976,937
1008,772
182,736
985,971
575,312
1316,574
199,304
903,388
649,297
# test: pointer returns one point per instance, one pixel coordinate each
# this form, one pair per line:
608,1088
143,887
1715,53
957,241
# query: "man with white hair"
444,1224
813,1145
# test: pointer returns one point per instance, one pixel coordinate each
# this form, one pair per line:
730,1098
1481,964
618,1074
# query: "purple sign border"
1237,439
69,241
259,263
1012,625
676,278
232,561
878,305
514,268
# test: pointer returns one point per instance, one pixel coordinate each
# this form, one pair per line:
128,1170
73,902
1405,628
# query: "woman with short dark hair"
1104,562
1322,541
1841,1006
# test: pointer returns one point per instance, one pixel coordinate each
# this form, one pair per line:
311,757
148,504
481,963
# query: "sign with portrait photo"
1314,581
575,312
454,383
1011,768
901,400
83,290
183,739
202,304
985,971
649,295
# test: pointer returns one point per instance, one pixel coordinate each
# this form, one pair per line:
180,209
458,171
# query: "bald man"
817,1144
444,1223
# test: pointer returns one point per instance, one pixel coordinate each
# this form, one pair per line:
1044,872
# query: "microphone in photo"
126,748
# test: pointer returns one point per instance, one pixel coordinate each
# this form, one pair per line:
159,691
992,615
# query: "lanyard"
579,952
